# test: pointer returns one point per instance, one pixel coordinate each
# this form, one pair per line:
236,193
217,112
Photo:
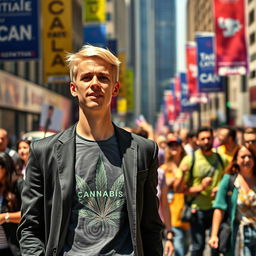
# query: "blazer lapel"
128,153
65,154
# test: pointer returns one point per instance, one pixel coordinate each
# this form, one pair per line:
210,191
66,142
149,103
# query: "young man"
200,174
228,145
91,190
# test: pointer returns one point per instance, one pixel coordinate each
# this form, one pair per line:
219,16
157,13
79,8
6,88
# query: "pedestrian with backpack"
200,174
237,197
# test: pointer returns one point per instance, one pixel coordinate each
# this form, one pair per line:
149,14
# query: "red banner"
177,90
191,66
170,107
230,38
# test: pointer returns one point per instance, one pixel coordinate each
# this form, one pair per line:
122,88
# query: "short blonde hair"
73,59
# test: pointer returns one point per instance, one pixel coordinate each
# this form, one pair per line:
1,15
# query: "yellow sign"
122,75
57,39
121,106
94,11
129,89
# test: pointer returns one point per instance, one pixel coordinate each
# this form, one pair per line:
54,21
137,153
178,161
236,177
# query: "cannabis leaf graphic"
100,209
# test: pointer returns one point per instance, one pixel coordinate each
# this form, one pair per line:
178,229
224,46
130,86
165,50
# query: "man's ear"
73,89
116,89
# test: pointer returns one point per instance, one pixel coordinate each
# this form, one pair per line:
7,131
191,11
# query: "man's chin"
206,149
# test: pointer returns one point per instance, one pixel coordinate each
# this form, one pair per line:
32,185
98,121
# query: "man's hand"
168,248
206,182
214,191
214,242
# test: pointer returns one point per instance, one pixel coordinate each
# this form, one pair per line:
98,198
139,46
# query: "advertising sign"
19,30
57,39
208,80
231,50
186,106
94,11
95,34
191,66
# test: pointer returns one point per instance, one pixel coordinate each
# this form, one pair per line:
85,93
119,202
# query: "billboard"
57,39
19,30
94,11
95,34
231,50
208,80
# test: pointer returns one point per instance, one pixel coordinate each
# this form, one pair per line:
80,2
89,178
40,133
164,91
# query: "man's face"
205,141
250,139
3,140
223,136
95,85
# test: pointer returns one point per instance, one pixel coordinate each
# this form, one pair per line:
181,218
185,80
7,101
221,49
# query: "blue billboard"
208,80
95,35
19,29
186,105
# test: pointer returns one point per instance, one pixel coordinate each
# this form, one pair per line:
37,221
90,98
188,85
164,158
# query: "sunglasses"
173,144
250,141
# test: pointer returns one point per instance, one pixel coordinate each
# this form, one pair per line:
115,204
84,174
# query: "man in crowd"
249,138
199,174
227,139
4,145
91,190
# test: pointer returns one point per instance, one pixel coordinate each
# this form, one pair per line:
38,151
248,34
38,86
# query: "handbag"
225,227
224,237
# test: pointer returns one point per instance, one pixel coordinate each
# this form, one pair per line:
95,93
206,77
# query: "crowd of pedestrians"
197,169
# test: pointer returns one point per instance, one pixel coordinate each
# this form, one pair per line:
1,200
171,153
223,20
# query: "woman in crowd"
10,202
174,152
23,151
242,204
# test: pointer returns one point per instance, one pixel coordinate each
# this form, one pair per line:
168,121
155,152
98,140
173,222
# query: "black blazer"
47,193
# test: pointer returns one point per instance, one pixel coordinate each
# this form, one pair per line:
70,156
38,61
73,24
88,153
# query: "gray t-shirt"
99,222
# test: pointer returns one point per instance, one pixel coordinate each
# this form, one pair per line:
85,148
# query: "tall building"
144,45
165,46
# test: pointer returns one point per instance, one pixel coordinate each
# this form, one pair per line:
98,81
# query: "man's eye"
86,78
103,78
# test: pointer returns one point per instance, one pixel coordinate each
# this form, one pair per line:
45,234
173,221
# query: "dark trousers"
200,222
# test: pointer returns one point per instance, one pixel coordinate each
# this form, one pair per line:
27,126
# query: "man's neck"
230,146
94,127
206,153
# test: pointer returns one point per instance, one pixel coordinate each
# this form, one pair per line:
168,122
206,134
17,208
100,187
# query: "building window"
253,57
26,73
252,38
253,74
108,16
251,17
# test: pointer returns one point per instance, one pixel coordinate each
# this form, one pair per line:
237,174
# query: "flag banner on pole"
191,66
170,111
177,95
230,39
208,80
186,106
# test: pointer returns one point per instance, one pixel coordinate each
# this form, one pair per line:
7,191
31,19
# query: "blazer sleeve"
31,229
151,225
220,200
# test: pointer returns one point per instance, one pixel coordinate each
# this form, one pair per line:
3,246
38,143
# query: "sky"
181,34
